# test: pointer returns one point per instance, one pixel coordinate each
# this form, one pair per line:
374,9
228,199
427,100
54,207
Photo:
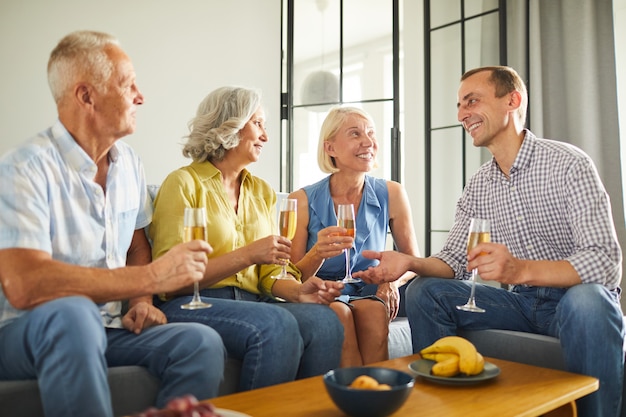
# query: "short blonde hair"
333,121
220,117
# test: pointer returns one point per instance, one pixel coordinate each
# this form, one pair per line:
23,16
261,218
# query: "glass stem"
347,263
472,300
196,292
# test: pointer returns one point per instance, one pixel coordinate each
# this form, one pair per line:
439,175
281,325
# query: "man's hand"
318,291
392,266
141,316
494,262
180,267
388,292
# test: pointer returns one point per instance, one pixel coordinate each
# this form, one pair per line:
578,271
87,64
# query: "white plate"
422,368
230,413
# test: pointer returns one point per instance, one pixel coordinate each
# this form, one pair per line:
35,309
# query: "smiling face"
116,104
483,115
252,138
354,146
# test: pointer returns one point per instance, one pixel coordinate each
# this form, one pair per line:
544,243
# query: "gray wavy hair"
80,54
219,119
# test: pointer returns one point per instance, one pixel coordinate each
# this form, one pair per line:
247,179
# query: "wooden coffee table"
519,390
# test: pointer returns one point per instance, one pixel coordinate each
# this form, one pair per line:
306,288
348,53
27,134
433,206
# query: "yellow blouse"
200,185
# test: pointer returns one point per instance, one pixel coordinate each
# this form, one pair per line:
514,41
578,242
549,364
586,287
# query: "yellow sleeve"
166,230
266,282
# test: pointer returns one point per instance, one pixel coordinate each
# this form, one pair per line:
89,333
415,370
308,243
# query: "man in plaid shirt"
553,243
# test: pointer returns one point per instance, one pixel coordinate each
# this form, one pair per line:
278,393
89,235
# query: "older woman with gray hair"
280,329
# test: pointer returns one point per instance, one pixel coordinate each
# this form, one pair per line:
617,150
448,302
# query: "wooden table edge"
561,406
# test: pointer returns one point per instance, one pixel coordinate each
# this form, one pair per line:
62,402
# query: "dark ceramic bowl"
364,402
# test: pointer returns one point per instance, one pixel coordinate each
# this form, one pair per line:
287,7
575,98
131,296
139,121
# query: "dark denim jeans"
276,342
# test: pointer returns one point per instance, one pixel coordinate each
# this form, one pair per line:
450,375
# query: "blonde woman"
347,151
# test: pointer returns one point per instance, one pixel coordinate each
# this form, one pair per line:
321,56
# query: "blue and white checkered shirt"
553,207
50,202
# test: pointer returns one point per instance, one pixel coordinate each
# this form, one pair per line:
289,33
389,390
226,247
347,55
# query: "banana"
446,367
469,359
480,364
439,357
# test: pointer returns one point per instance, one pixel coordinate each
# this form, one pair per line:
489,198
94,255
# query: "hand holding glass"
345,219
194,228
287,219
480,231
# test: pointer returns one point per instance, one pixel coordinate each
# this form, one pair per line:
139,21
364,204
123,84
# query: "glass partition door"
338,52
459,35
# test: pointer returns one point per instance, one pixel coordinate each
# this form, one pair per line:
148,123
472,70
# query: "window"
338,52
459,34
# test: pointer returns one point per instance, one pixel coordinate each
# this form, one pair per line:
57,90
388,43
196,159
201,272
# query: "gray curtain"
572,81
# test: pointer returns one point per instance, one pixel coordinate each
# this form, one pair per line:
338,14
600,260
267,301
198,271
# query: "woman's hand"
388,292
318,291
331,241
269,250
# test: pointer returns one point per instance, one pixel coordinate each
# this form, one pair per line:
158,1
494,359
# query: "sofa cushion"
528,348
133,389
399,341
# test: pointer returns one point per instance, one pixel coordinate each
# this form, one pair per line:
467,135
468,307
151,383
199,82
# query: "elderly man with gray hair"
73,208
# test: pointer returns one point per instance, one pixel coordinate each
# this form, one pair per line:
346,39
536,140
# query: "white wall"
181,50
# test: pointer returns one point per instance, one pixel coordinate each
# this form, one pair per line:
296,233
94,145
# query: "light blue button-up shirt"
49,201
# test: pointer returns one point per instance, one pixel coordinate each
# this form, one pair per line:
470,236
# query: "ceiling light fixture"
320,89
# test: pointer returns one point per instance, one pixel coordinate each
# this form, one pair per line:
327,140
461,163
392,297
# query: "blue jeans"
586,318
276,342
63,345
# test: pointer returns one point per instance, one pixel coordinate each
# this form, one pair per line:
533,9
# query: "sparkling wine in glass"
287,219
345,219
480,231
194,228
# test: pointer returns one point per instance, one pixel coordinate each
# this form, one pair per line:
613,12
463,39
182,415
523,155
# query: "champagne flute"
287,227
345,219
194,227
479,232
